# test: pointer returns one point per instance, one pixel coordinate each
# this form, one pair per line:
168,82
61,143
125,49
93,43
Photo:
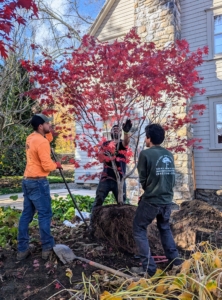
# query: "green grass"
8,190
14,183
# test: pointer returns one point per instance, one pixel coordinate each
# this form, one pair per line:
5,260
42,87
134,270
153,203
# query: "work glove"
127,126
59,166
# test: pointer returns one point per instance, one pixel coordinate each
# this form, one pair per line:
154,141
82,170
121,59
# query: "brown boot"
23,255
46,254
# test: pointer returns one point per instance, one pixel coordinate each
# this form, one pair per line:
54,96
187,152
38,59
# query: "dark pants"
103,189
145,214
36,198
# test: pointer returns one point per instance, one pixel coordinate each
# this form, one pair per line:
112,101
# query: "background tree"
106,83
61,24
16,109
14,106
57,26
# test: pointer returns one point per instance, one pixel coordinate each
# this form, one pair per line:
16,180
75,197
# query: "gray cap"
45,118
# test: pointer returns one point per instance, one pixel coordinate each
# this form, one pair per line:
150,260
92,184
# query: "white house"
200,23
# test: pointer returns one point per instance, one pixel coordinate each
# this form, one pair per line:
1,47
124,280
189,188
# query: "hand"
59,166
127,126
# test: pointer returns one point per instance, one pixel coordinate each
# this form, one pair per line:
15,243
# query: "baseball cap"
44,117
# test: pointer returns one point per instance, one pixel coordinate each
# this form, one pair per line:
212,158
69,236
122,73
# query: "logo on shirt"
27,146
165,166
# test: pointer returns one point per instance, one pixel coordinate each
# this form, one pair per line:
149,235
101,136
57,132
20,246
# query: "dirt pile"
194,222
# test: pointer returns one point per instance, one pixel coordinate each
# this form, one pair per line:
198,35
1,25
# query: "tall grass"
198,278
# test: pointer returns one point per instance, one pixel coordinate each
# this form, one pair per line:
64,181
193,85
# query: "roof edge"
101,16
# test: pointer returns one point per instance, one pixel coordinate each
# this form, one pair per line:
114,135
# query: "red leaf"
57,286
20,20
3,51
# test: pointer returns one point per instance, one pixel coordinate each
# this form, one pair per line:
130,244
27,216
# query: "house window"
214,32
218,121
215,109
218,34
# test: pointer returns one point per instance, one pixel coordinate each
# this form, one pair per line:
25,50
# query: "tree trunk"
120,183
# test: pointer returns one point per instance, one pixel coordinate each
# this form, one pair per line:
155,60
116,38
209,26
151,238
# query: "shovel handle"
102,267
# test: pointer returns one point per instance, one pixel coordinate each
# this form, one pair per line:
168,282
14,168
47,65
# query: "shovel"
102,267
66,255
68,189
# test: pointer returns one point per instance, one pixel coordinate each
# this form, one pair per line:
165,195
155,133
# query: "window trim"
211,13
212,101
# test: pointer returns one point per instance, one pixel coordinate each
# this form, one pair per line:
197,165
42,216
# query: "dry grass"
200,278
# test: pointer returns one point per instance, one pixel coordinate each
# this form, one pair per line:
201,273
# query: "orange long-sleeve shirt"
39,162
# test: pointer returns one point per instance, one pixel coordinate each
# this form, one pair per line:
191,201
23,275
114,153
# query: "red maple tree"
102,84
9,15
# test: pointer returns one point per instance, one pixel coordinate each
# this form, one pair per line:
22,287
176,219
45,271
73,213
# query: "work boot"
139,271
174,270
23,255
46,254
176,264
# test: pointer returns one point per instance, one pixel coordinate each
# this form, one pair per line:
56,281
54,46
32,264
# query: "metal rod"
66,184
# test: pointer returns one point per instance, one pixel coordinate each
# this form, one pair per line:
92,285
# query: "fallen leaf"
57,286
211,285
105,295
173,287
197,255
69,274
185,268
203,243
217,262
143,282
132,285
185,296
161,287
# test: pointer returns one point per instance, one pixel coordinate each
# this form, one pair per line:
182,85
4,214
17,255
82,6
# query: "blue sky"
92,9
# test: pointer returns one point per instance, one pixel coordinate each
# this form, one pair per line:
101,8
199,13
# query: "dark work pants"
103,189
145,214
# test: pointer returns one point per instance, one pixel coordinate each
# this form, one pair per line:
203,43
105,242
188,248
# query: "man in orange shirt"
35,187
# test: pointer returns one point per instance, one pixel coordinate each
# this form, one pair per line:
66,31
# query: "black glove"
127,126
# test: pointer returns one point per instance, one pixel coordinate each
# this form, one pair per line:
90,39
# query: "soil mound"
194,222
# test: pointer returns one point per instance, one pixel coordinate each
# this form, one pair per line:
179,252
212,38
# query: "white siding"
82,158
208,164
118,21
